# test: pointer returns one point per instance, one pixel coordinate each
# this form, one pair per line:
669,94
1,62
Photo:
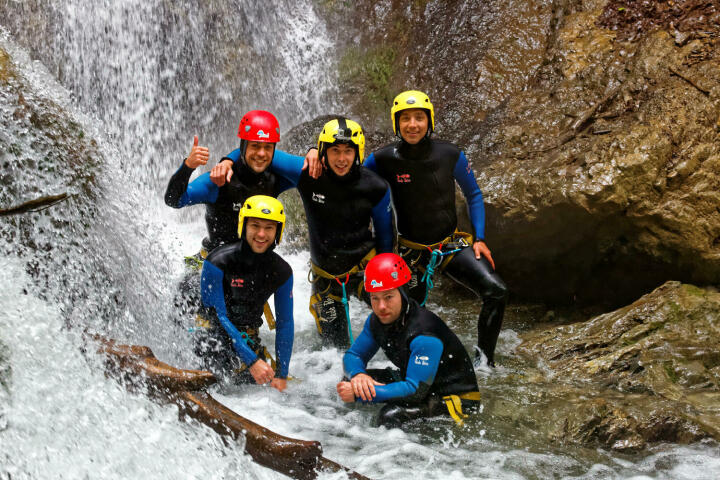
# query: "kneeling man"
237,280
435,373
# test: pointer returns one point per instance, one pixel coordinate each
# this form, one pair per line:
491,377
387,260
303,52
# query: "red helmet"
385,272
259,126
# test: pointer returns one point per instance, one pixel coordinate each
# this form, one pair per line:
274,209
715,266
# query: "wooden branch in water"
138,368
34,205
675,71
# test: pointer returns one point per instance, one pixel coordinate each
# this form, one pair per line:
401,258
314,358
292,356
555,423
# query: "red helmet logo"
259,126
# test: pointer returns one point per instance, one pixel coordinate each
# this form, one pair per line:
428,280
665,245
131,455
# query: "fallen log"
138,368
34,205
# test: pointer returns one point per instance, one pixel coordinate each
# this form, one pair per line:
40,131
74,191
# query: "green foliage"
369,73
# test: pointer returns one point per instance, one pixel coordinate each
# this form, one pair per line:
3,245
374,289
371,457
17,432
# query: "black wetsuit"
422,178
236,283
432,363
338,212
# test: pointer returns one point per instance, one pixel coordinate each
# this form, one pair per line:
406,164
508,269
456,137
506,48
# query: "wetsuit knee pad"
476,275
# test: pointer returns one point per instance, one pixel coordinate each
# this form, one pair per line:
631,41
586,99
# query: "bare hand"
481,249
279,384
345,391
313,163
222,173
363,386
262,372
198,155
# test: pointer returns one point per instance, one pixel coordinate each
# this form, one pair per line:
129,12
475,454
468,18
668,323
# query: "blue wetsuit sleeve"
234,156
212,294
468,184
285,327
288,166
360,352
425,354
382,222
370,163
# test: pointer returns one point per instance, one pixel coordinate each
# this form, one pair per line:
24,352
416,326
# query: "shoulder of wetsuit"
234,156
446,147
386,150
372,179
280,266
224,254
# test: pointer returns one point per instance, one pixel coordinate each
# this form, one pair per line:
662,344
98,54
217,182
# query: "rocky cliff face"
592,126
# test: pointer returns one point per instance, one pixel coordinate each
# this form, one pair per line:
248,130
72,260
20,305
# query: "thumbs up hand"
198,155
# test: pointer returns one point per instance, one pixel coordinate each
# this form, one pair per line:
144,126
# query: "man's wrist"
311,148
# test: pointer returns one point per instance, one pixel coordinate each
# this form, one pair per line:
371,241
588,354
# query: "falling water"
139,79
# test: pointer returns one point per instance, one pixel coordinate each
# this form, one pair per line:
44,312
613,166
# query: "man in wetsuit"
435,373
247,175
422,173
339,206
237,280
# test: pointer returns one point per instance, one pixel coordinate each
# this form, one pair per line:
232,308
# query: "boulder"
646,373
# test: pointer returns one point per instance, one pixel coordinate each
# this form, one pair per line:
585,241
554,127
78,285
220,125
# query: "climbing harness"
316,300
454,405
438,258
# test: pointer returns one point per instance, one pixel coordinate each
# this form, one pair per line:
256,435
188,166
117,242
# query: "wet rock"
640,197
643,374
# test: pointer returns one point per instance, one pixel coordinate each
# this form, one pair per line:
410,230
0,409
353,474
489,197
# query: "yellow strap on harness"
455,237
269,317
319,272
454,405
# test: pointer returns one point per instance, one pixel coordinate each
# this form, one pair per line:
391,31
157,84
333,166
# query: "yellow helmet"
342,130
411,99
262,206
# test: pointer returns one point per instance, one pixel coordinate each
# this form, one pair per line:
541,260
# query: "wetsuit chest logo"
318,197
237,282
421,360
403,178
237,206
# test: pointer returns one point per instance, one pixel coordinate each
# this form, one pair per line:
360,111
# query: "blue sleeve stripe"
288,166
212,294
382,222
468,184
200,190
360,352
425,354
370,163
285,327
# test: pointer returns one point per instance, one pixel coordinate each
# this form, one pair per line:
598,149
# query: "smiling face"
413,125
258,155
340,158
260,233
387,305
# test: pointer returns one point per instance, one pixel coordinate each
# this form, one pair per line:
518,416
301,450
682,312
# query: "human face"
386,305
260,233
258,155
413,125
340,158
